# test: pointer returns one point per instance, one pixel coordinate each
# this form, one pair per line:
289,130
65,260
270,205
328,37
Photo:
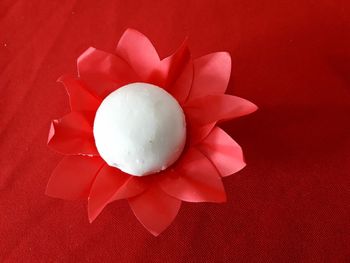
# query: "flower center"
140,129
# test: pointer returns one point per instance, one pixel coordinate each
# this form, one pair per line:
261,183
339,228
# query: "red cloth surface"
290,204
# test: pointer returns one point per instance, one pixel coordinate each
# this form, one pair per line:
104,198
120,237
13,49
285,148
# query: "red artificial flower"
210,154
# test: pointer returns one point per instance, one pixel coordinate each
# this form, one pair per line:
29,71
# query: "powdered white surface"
140,129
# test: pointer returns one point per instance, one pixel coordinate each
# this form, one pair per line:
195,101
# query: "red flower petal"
211,74
182,86
73,177
73,134
104,72
155,209
196,133
213,108
194,179
137,50
179,73
223,151
175,73
79,97
111,184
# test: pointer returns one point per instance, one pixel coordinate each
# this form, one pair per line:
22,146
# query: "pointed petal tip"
51,131
211,74
225,55
154,233
93,213
223,151
135,35
51,194
60,79
63,77
91,217
225,107
240,168
57,196
155,204
139,52
244,164
254,107
131,30
87,52
250,107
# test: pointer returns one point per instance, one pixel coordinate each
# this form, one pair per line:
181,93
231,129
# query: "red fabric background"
290,204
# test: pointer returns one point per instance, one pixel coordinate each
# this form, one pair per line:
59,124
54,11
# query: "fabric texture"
289,204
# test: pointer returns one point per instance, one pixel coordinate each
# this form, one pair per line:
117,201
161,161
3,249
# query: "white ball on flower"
140,129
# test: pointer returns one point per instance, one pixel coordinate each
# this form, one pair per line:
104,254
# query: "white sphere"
140,129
